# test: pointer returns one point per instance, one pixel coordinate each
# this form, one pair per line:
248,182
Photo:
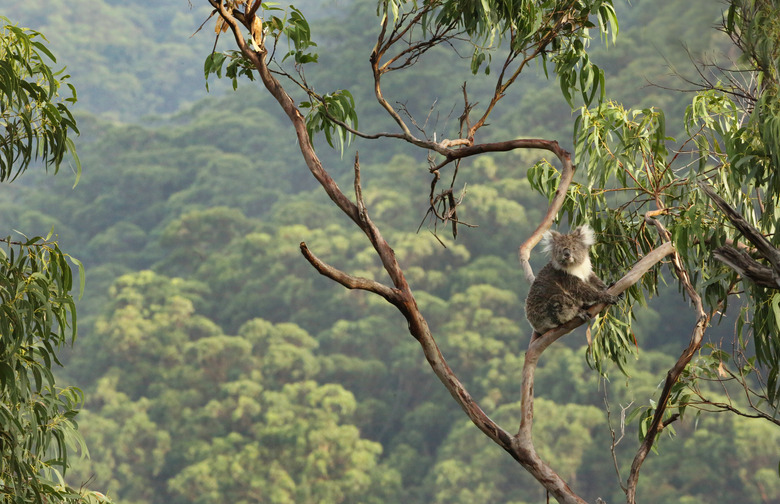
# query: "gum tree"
37,425
642,197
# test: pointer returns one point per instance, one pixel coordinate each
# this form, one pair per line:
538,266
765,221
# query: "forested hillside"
218,365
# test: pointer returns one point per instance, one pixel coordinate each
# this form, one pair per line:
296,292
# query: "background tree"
213,417
639,201
732,128
37,310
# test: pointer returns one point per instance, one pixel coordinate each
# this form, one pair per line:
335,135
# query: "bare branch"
361,205
722,406
349,281
747,267
641,267
616,440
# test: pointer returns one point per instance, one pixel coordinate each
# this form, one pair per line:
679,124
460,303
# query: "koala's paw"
614,299
584,315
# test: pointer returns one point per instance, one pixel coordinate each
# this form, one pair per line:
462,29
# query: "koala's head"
569,252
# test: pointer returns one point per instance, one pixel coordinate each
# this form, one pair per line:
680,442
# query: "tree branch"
674,373
567,175
350,281
747,267
740,261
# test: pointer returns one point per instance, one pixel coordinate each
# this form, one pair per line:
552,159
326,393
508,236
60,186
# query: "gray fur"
566,286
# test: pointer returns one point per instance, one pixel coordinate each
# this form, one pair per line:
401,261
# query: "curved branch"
452,150
411,53
538,345
567,175
674,373
520,447
375,59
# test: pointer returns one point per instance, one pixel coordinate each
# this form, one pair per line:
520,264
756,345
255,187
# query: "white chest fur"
581,271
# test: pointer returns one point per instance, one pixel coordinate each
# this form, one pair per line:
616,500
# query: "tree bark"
740,261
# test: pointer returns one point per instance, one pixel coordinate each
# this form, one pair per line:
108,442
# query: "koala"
566,286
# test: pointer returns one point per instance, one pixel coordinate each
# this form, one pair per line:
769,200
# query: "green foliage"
297,31
628,175
743,138
130,446
293,27
237,66
327,462
37,310
327,113
35,122
556,30
256,419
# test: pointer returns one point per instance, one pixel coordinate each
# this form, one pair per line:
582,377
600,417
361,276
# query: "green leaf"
775,303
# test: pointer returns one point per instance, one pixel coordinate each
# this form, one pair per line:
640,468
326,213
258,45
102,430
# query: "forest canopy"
218,365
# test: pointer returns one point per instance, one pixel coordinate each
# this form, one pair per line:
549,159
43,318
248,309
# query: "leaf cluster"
36,122
37,319
37,309
327,112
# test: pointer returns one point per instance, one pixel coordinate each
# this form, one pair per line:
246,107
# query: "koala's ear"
585,233
547,239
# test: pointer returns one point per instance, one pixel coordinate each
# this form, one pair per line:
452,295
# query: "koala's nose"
566,254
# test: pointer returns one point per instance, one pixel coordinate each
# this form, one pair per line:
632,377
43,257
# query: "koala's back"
555,297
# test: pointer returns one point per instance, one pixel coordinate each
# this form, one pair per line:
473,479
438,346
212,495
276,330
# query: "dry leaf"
257,33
